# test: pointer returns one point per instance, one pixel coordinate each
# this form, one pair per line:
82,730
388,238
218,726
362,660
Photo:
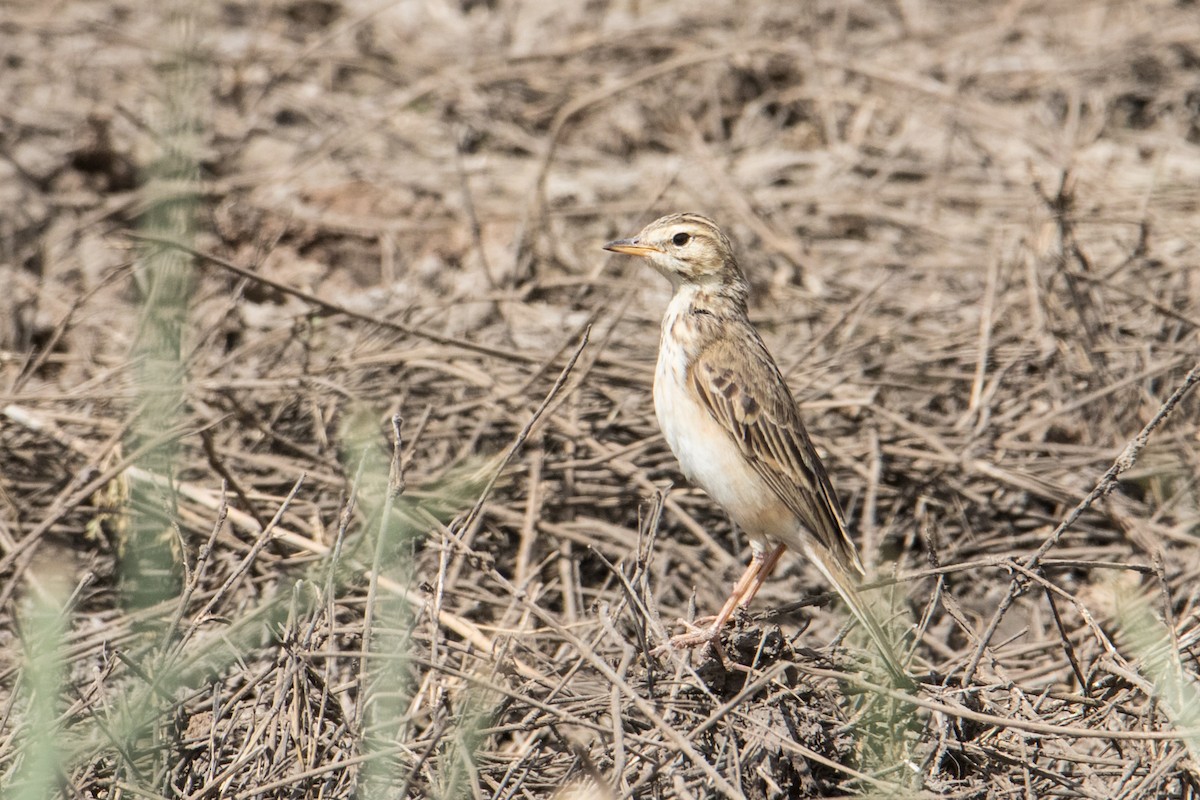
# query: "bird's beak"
630,247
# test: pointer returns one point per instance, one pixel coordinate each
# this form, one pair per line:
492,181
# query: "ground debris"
972,236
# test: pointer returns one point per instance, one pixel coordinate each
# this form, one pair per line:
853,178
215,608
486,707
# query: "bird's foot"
702,631
705,631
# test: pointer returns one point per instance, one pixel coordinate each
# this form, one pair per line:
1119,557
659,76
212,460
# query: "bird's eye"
681,238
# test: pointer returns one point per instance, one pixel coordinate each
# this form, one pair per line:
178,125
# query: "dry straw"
971,231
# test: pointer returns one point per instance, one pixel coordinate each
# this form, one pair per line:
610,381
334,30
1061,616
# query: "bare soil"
416,531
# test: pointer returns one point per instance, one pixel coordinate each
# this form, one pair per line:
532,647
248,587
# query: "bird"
727,414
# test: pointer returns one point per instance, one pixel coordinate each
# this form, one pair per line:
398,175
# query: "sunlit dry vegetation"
328,456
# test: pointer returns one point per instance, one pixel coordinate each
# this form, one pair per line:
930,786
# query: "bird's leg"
768,566
750,580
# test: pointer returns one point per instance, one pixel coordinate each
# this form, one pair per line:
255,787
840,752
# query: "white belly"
710,458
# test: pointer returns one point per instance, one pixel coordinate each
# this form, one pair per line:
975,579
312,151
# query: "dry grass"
422,536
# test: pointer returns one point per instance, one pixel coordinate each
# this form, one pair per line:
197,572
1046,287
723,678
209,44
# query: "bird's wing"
738,382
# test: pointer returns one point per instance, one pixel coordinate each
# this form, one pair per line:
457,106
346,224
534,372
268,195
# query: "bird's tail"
847,586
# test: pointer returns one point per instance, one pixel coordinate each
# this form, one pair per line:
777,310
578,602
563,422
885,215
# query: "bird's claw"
699,632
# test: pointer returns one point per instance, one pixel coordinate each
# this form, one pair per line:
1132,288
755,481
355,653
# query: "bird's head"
688,249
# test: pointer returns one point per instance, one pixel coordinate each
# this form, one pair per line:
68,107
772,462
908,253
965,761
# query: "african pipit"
728,416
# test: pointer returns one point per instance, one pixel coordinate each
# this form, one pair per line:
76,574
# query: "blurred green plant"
40,770
889,733
383,685
1154,645
149,555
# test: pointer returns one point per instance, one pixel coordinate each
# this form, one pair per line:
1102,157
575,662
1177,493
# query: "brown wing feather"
744,391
